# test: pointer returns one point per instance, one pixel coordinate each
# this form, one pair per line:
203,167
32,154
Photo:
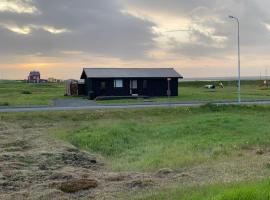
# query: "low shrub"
4,104
26,92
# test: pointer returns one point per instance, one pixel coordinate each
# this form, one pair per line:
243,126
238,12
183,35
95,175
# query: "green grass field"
242,191
179,138
13,93
20,93
195,91
217,145
175,138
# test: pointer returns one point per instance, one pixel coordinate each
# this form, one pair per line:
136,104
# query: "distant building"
34,77
54,80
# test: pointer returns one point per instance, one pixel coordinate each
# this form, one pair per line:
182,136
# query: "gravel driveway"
73,102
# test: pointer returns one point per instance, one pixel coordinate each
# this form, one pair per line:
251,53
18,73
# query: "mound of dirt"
73,186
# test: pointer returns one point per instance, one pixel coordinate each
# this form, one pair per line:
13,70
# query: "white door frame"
131,85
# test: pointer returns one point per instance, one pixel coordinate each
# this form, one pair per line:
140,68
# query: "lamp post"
239,68
169,90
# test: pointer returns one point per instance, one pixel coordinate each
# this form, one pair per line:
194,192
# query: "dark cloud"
99,27
94,27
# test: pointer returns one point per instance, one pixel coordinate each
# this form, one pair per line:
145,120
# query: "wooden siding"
155,87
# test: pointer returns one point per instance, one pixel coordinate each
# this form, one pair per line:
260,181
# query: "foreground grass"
21,93
151,139
244,191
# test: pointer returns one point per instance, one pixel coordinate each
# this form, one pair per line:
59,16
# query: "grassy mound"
177,137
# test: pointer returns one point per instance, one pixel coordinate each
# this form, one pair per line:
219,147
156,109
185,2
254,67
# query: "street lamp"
239,69
169,93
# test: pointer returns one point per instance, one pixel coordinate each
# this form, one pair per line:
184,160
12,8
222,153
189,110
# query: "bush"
26,92
4,104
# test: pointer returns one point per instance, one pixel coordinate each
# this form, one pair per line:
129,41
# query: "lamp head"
230,16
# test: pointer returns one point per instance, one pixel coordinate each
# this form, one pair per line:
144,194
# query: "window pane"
118,83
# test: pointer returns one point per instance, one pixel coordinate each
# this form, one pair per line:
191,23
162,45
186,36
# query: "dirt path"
36,166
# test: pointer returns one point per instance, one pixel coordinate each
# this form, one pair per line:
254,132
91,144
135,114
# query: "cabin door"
133,87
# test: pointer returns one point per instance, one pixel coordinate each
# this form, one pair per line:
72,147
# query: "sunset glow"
196,38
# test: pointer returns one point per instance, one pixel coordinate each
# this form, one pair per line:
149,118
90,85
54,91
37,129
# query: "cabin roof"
131,73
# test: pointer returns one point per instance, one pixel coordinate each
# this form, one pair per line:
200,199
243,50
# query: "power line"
179,30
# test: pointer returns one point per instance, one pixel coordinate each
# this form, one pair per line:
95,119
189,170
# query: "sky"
61,37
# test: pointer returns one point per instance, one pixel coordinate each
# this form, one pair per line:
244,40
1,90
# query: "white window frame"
118,83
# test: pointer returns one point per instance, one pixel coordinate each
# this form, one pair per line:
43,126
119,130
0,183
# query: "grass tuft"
26,92
4,104
242,191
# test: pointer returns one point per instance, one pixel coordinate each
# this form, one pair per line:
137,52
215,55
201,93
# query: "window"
118,83
134,84
102,85
144,84
81,81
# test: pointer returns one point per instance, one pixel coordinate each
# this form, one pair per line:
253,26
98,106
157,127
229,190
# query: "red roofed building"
34,77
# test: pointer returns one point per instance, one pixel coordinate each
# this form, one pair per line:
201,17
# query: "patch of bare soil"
35,166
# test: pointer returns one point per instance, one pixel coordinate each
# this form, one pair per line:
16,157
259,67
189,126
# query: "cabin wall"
154,87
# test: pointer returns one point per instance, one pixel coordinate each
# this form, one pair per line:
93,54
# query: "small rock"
115,178
73,150
42,167
164,172
260,152
79,159
73,186
60,176
182,175
141,183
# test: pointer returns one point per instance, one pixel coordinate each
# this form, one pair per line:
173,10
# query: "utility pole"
239,63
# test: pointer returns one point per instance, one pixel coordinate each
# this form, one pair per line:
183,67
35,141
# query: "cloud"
92,27
211,33
28,29
17,6
133,33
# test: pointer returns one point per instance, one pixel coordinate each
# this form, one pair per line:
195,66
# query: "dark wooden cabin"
125,82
